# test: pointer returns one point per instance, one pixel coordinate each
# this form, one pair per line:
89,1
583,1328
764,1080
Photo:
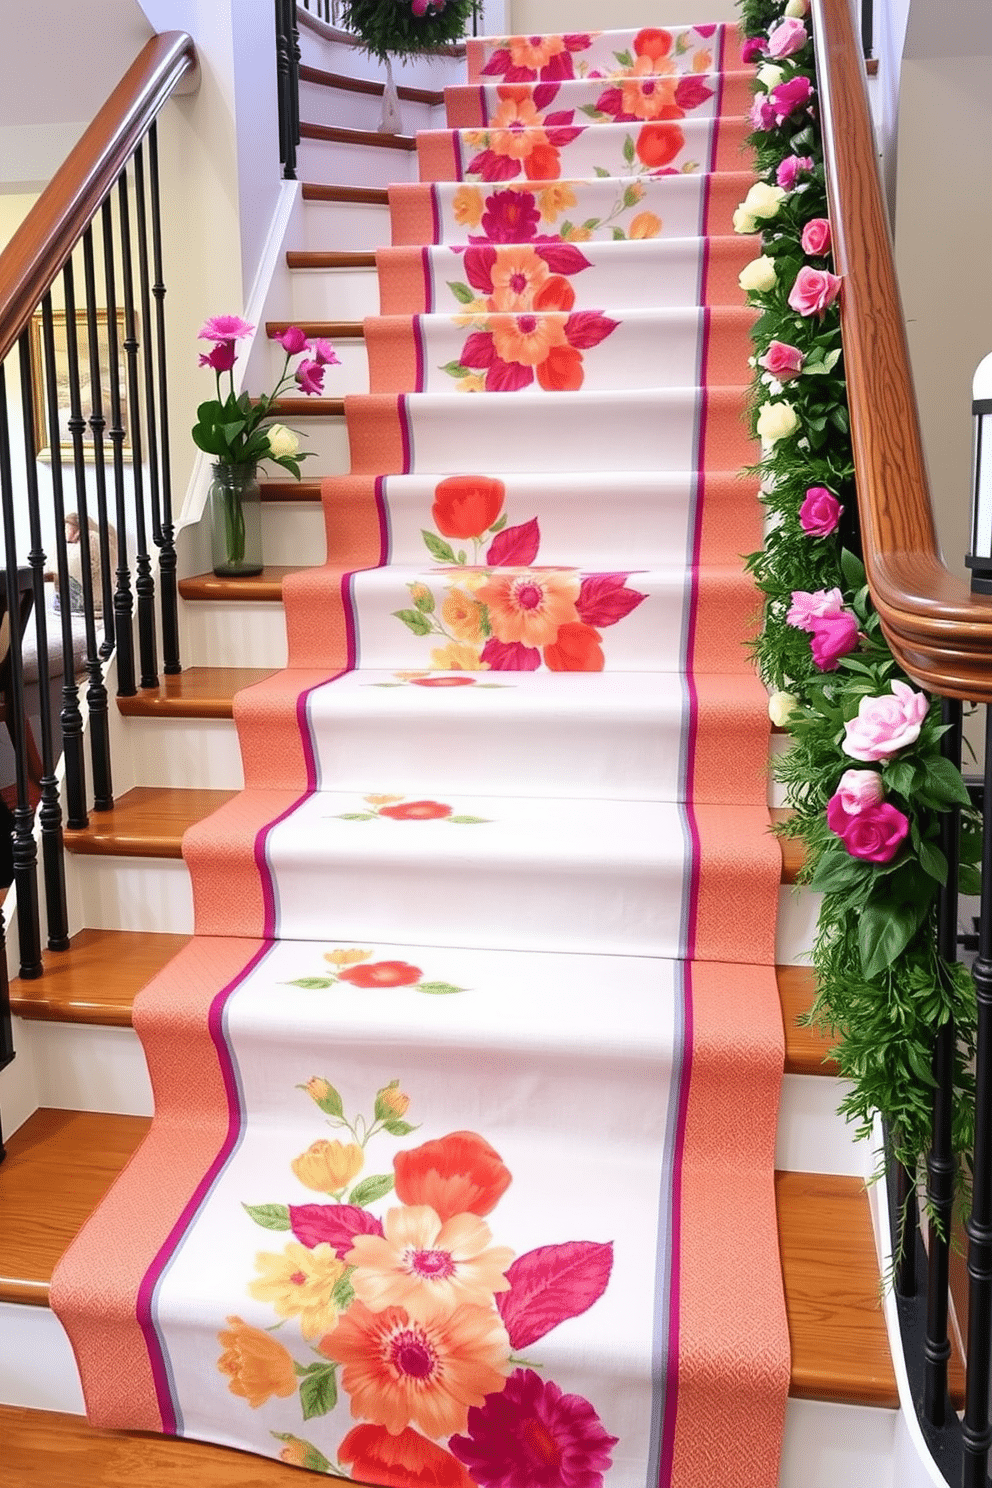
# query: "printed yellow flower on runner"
300,1283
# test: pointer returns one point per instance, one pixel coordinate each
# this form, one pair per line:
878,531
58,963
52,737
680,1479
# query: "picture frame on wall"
42,435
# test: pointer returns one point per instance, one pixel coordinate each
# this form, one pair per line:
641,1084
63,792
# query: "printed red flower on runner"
456,1174
466,506
382,973
658,144
442,681
402,1371
653,43
535,1435
416,811
406,1460
576,648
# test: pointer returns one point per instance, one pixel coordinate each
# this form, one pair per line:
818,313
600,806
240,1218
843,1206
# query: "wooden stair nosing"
373,196
146,822
306,259
196,692
264,588
346,84
331,330
335,134
830,1272
290,490
308,407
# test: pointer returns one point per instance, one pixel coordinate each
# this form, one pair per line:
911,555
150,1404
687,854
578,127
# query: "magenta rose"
222,358
293,340
820,512
813,291
808,607
752,49
789,170
874,834
787,38
310,377
859,789
788,98
782,360
833,636
885,724
816,237
763,114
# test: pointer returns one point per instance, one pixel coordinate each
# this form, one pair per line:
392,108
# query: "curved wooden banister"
47,236
938,630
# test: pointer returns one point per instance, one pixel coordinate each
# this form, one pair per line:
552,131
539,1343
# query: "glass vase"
236,521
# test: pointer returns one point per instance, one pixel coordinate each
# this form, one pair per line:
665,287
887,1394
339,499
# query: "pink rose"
222,358
820,512
834,636
763,112
874,834
813,291
858,789
789,169
787,38
782,360
293,341
816,237
808,607
886,724
789,97
310,377
752,49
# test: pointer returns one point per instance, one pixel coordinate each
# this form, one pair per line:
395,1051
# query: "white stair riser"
344,227
798,912
37,1367
334,294
85,1067
321,103
327,440
351,376
335,164
812,1137
293,531
132,893
201,753
828,1445
415,72
235,633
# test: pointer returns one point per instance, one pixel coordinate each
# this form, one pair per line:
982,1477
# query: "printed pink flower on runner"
421,1263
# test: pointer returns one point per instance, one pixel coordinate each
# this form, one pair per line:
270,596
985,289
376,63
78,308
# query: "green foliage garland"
390,27
882,986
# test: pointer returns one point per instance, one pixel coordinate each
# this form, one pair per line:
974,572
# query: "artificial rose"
744,222
820,512
752,49
769,76
885,724
763,201
293,340
776,421
814,290
816,237
780,707
859,789
797,8
758,276
808,606
787,38
833,636
788,170
875,834
762,113
282,441
788,98
782,360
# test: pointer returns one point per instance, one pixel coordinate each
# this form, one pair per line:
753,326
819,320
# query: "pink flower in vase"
310,377
325,355
224,328
292,340
222,358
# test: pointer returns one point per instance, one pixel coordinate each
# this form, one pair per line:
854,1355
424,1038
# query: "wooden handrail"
938,630
47,236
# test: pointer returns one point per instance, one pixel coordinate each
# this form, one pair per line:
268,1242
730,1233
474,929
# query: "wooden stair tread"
97,979
308,407
335,134
371,86
333,330
793,848
265,587
372,196
807,1049
146,822
290,490
49,1448
197,692
305,259
60,1163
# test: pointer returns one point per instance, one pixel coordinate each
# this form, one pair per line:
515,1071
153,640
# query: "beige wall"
530,16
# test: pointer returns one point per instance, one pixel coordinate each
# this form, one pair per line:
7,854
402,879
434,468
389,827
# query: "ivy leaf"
370,1189
319,1391
884,932
269,1216
944,780
414,620
461,292
439,989
437,547
933,860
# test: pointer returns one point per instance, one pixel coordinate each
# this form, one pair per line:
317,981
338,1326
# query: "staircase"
82,1067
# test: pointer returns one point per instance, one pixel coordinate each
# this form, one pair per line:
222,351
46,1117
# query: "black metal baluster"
907,1221
976,1431
50,809
168,591
7,1054
144,584
148,357
25,852
940,1159
97,425
96,692
287,85
71,717
123,600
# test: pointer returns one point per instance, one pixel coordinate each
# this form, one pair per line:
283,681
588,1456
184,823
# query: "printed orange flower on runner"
531,607
463,616
513,350
300,1283
521,59
423,1264
517,273
457,1174
402,1371
404,1460
257,1365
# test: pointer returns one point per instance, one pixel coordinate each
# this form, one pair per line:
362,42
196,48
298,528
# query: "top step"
554,58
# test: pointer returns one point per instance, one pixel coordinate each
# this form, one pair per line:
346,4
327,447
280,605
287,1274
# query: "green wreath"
394,27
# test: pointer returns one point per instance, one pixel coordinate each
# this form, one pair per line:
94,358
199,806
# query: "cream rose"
758,275
744,222
282,441
797,8
776,421
780,707
769,76
763,201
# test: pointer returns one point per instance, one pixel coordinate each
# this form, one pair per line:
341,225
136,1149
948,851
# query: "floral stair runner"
466,1087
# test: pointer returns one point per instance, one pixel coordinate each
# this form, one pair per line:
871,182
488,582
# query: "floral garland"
402,28
864,776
